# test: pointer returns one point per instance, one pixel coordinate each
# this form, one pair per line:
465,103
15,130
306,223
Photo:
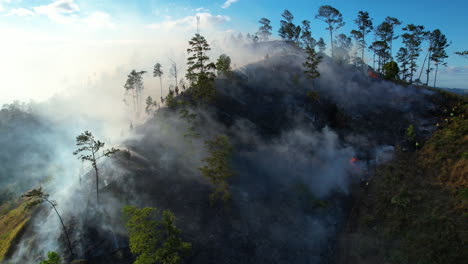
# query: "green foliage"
410,133
333,18
391,71
306,37
412,41
264,31
52,258
288,31
314,96
88,150
311,63
171,102
415,206
150,104
223,65
364,24
321,45
190,117
204,90
200,70
342,48
462,53
153,236
217,169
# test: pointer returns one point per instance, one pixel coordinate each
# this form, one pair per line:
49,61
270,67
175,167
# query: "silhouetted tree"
38,196
200,69
306,37
134,84
402,58
153,236
393,22
321,45
264,31
150,104
380,49
311,63
412,40
342,47
357,35
173,71
439,44
158,72
462,53
288,31
90,147
333,18
364,23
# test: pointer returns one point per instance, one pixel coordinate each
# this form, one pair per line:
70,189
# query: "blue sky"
42,24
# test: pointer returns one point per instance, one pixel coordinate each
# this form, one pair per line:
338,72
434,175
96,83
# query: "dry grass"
13,219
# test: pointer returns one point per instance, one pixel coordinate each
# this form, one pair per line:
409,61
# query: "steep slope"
415,208
296,158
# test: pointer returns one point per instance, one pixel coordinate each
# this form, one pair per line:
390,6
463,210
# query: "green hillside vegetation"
14,215
415,208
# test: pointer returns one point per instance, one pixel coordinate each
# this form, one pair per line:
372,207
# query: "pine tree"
342,47
264,31
200,69
38,196
217,168
288,31
402,58
311,63
439,44
412,40
158,72
154,237
321,45
333,18
364,23
134,84
223,66
90,147
306,37
357,35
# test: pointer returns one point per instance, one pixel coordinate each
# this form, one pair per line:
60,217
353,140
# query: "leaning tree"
89,150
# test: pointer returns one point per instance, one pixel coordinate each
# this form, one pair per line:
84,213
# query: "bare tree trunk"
160,84
435,77
97,177
331,41
428,71
63,225
423,64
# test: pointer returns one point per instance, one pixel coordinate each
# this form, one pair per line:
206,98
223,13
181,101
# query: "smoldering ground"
291,162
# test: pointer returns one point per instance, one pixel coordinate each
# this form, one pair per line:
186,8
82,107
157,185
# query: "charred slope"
290,192
293,164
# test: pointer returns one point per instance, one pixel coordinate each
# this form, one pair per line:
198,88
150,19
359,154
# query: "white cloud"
228,3
2,8
61,11
207,20
21,12
202,9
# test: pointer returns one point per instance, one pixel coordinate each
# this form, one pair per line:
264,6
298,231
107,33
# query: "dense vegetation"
415,209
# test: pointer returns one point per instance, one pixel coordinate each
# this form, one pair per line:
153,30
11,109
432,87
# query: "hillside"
297,162
415,208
